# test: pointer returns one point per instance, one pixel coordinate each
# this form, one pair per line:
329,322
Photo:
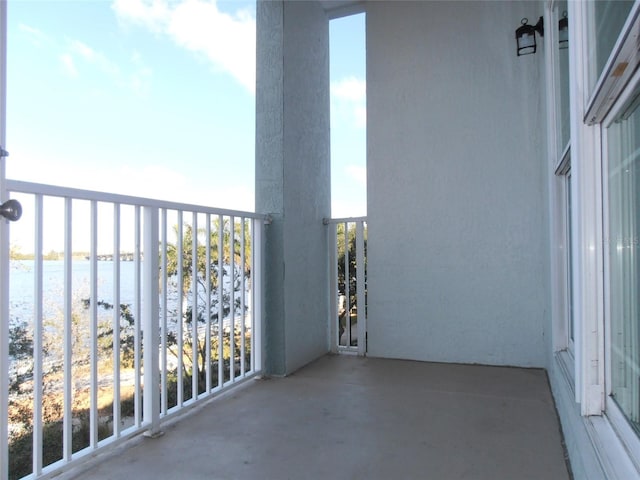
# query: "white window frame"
563,173
558,189
616,447
586,185
4,257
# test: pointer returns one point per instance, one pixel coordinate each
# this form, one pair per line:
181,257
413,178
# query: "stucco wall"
457,211
293,178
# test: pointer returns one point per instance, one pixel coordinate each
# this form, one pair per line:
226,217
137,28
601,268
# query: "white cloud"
350,89
76,54
152,14
83,50
96,58
358,174
349,99
137,78
140,79
69,65
226,41
37,37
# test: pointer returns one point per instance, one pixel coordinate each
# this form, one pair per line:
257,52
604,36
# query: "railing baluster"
67,427
4,335
4,351
232,299
243,233
116,320
361,305
347,292
37,339
194,306
208,302
150,323
179,319
93,328
220,299
163,329
256,328
334,320
137,332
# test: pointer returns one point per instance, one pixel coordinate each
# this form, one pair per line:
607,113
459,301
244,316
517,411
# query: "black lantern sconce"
563,31
526,36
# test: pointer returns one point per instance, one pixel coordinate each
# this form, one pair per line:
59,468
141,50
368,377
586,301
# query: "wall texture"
457,209
293,178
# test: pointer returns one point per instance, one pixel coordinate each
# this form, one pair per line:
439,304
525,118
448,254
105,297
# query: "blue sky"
156,99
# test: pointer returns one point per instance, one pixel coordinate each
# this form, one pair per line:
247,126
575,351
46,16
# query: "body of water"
22,289
22,286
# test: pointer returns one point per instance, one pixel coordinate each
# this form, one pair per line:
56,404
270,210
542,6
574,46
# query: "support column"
293,178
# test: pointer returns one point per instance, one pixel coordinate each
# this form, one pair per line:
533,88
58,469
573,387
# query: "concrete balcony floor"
360,418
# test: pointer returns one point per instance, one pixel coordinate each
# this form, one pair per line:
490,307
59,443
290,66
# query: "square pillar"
293,180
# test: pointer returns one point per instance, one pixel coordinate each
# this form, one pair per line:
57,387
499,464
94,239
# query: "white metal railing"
347,274
84,332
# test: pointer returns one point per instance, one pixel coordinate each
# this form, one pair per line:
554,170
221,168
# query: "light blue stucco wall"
457,196
293,178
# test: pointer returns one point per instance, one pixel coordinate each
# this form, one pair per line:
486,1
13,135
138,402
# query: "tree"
16,254
353,268
126,333
231,291
21,351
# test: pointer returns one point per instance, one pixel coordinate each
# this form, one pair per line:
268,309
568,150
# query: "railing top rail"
76,193
327,221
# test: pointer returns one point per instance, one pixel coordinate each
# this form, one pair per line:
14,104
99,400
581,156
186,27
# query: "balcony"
353,417
342,416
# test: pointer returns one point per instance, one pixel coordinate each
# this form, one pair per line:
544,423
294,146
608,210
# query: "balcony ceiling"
340,8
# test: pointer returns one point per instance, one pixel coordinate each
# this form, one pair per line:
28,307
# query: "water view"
22,286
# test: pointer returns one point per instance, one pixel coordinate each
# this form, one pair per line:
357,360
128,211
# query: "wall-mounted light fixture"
526,36
563,31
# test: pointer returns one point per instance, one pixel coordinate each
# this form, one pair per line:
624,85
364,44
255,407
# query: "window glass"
608,17
569,259
623,179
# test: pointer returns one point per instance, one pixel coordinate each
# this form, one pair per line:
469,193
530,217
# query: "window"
620,135
602,164
623,196
565,272
569,260
561,135
607,19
